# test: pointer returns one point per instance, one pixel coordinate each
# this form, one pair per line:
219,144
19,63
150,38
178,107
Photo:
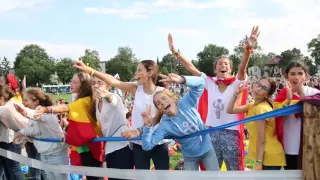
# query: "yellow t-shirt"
17,98
273,150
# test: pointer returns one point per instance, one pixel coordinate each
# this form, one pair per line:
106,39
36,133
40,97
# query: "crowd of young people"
156,116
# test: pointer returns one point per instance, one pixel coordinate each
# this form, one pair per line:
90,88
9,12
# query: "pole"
311,142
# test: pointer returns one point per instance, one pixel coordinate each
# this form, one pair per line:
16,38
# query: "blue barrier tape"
275,113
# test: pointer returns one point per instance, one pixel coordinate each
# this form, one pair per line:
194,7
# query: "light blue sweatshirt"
186,122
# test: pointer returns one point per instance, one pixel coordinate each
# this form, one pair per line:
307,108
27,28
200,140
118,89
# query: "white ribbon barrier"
154,174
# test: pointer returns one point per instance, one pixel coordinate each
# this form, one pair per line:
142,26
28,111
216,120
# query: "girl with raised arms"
181,118
228,142
147,76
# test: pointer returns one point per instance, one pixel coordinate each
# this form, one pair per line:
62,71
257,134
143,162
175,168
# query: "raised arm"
233,107
196,85
248,49
110,80
185,62
61,108
151,137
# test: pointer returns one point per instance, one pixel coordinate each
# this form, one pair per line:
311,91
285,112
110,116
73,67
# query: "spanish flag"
82,129
203,111
278,104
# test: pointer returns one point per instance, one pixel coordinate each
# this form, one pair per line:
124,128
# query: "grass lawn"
66,97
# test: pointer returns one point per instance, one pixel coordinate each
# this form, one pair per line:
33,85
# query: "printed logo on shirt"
188,128
36,134
218,107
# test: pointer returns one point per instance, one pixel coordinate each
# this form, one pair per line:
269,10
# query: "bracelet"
184,80
175,52
90,71
248,49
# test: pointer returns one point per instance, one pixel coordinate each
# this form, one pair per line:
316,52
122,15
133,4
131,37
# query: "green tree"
124,63
33,51
314,48
64,70
290,55
34,62
208,56
311,65
91,57
5,66
271,55
170,64
195,63
235,59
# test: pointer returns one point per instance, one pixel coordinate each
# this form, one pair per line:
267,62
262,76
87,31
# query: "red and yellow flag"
278,104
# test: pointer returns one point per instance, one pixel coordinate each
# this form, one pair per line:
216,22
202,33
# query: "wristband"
175,52
90,71
248,49
184,80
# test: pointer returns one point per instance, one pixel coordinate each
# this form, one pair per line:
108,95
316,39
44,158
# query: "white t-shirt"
218,102
113,122
141,100
292,127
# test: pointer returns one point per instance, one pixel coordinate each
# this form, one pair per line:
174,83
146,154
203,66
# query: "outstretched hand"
80,65
252,40
174,78
17,136
241,88
39,111
170,41
147,116
21,110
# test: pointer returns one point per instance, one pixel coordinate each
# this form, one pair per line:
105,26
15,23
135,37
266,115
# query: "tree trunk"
311,142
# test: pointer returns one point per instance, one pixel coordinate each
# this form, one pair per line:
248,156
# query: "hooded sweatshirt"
187,121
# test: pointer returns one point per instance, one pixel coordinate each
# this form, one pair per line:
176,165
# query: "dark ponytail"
151,65
6,93
269,102
161,84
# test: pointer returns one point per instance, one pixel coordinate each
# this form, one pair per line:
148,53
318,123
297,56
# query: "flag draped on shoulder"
278,104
